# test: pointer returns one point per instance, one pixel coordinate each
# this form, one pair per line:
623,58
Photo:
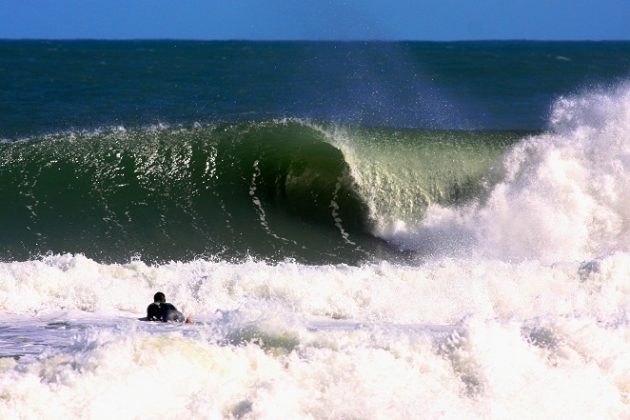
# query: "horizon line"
316,40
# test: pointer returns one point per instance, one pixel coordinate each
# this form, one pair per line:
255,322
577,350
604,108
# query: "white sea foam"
574,368
439,292
562,195
480,338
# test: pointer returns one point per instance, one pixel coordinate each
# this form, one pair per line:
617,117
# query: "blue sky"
317,19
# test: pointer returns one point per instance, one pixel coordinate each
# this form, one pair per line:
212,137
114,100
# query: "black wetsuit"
164,312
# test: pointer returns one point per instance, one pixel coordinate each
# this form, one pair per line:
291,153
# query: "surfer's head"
159,297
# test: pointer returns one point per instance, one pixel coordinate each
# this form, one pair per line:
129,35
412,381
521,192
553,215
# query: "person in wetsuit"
160,310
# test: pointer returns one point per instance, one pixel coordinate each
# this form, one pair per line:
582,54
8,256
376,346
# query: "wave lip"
401,173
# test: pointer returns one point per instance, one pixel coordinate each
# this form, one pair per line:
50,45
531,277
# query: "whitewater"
512,301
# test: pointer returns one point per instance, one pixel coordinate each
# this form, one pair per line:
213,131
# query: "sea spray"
562,195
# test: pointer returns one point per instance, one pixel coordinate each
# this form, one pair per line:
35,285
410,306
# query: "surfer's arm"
153,312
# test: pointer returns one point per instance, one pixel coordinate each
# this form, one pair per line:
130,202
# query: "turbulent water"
360,230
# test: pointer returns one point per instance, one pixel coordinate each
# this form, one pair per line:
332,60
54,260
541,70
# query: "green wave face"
268,190
399,173
235,190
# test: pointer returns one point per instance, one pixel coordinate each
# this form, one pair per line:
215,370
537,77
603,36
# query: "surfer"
160,310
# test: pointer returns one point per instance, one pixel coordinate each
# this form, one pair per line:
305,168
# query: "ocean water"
359,230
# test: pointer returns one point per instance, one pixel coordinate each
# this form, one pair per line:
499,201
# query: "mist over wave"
561,195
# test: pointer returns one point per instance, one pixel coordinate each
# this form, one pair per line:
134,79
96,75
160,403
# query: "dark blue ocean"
50,86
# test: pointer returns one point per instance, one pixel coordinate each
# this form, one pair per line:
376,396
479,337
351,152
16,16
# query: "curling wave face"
169,193
277,189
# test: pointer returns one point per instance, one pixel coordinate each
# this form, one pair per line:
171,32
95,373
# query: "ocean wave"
275,189
176,192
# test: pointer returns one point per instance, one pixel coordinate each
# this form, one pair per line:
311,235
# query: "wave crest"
562,194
